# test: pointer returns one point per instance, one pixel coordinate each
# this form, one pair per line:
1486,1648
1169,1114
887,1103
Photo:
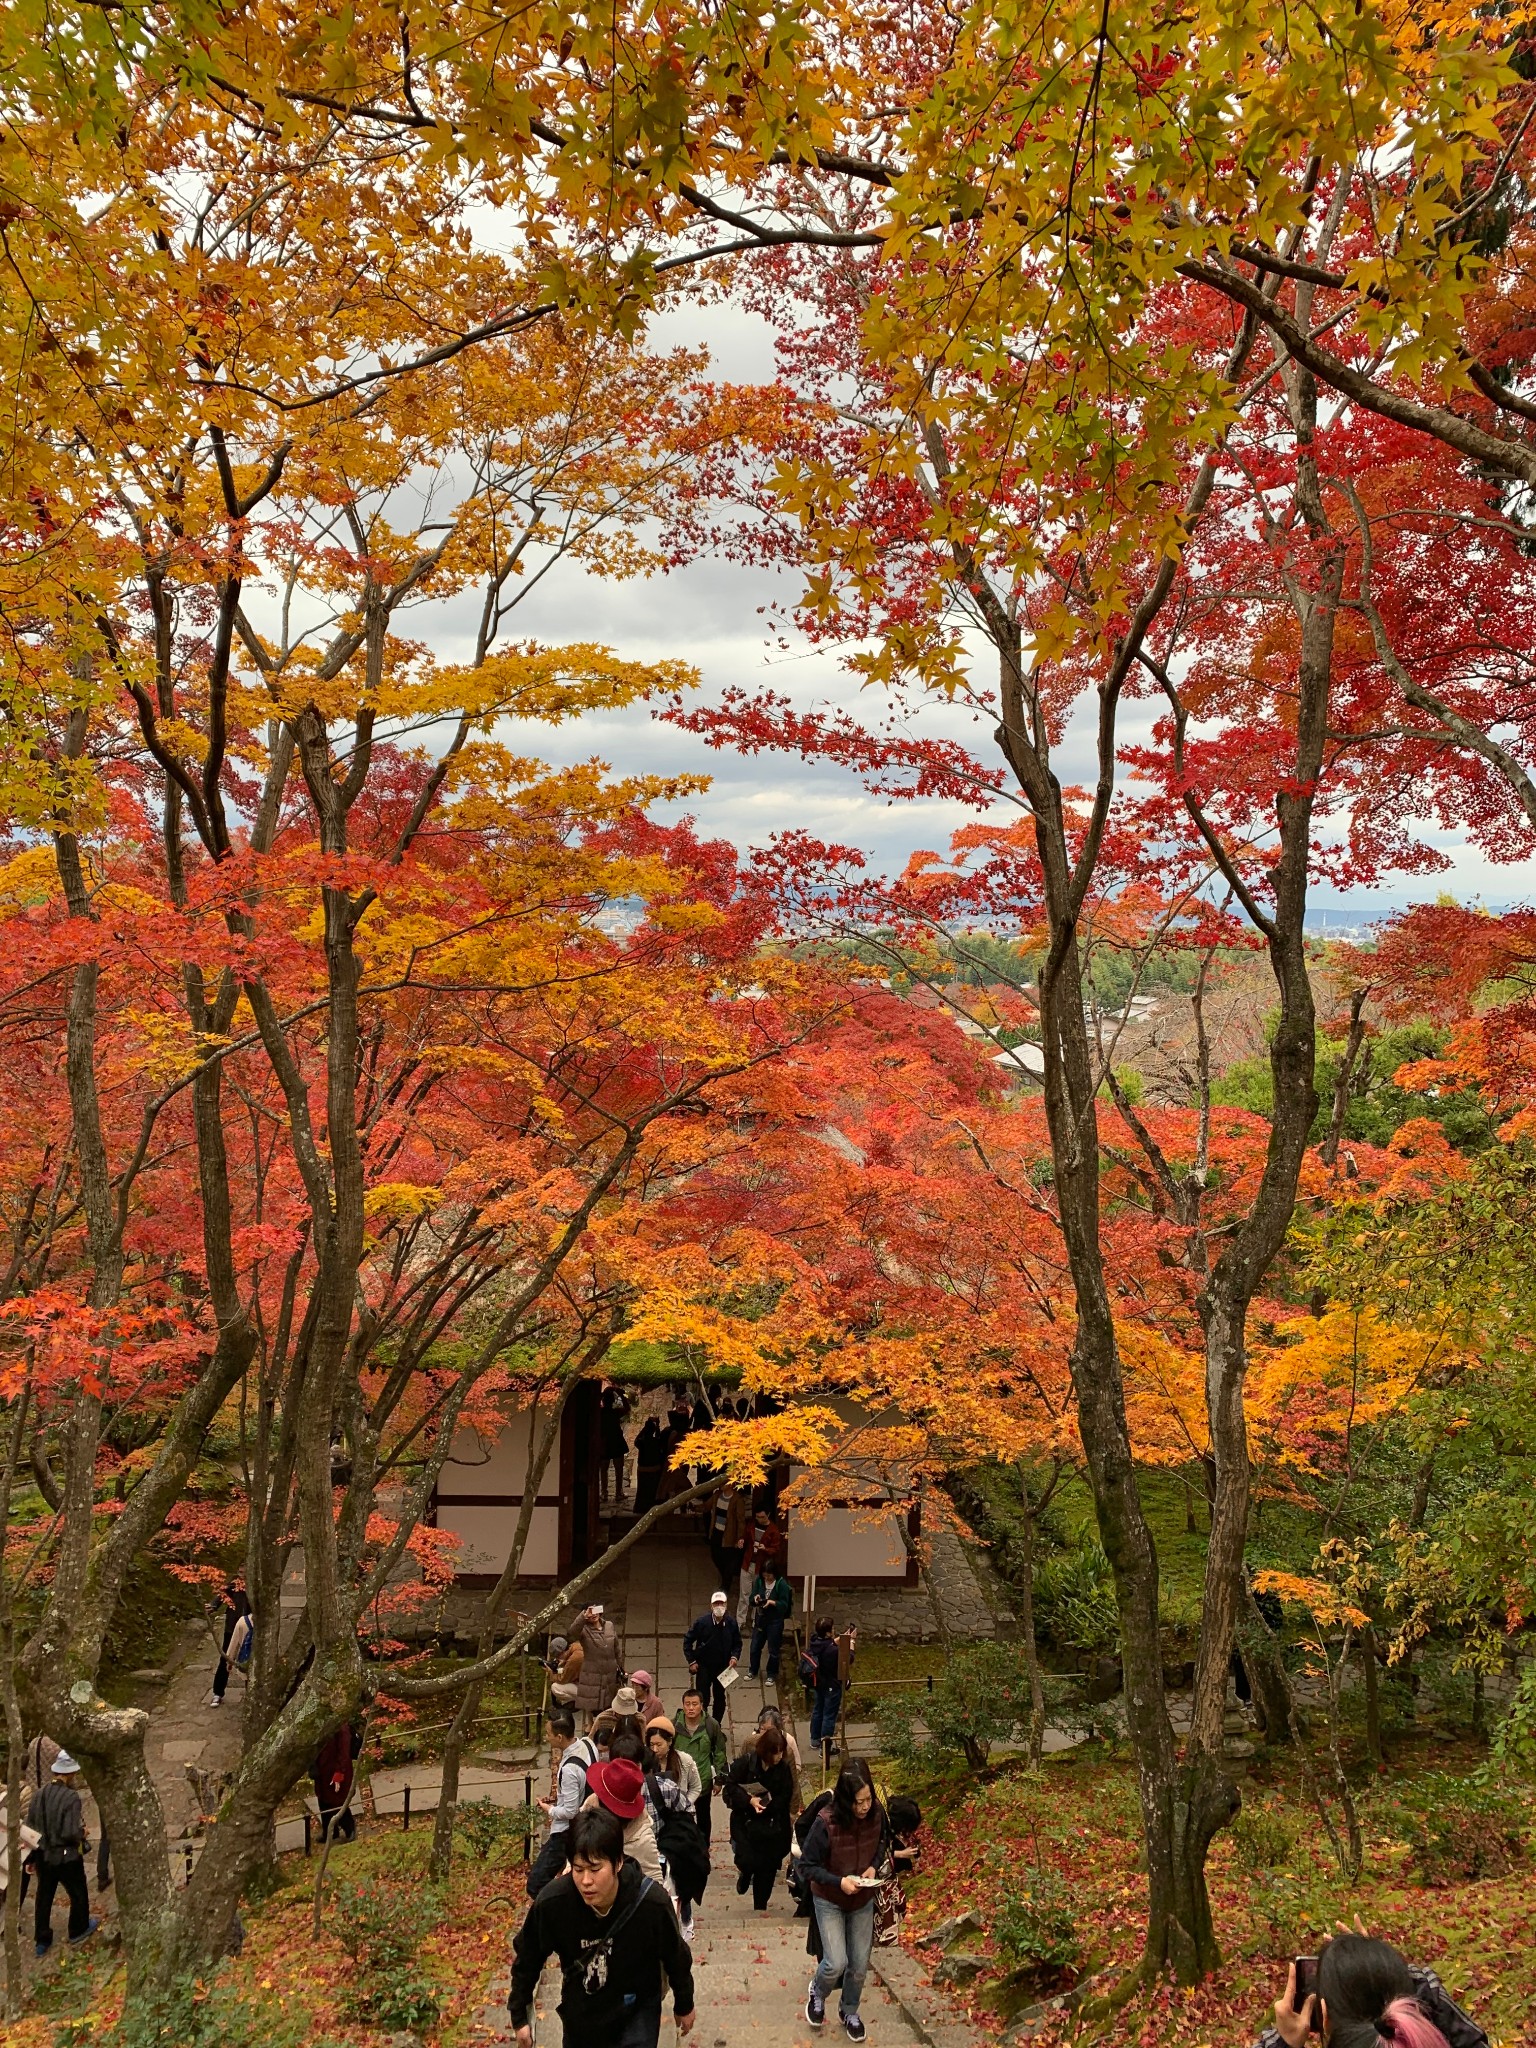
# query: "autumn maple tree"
1101,296
345,1061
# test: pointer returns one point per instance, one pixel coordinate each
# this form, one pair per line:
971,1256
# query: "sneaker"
215,1702
41,1948
815,2007
686,1928
90,1928
853,2026
743,1884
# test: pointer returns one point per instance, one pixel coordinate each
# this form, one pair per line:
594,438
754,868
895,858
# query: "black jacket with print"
600,1990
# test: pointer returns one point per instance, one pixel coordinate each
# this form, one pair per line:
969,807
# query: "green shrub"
382,1930
1035,1928
980,1698
1264,1837
1460,1829
1075,1607
194,2013
1289,1907
491,1830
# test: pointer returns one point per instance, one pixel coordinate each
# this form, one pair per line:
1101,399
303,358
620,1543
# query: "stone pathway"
184,1728
750,1970
750,1976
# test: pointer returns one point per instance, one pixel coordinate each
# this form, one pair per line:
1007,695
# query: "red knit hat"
620,1786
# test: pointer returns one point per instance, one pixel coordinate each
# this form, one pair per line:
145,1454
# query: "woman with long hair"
845,1857
758,1790
1367,1995
668,1761
674,1792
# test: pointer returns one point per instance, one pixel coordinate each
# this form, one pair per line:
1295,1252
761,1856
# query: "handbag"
681,1842
890,1906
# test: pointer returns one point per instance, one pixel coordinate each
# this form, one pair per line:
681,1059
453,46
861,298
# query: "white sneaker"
687,1927
215,1702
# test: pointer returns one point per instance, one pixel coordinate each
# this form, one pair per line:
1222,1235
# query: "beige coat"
639,1841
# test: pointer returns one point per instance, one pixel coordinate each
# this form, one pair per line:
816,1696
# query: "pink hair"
1404,2023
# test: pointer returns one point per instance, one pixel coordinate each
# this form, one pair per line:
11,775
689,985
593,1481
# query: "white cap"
595,1608
719,1600
63,1764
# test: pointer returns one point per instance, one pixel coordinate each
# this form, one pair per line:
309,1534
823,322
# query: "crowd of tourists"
617,1884
616,1887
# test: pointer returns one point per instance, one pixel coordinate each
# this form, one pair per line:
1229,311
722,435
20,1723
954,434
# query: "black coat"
642,1940
712,1647
760,1840
823,1651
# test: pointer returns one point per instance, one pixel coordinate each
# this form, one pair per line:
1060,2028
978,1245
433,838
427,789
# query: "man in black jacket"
615,1932
711,1647
57,1817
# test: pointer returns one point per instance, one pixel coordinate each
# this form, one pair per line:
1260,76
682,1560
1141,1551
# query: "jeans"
71,1876
769,1631
824,1712
846,1941
550,1862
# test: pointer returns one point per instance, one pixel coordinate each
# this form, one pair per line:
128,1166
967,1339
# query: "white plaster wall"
496,1464
486,1535
846,1543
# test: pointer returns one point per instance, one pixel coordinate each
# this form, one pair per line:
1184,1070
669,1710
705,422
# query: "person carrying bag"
681,1842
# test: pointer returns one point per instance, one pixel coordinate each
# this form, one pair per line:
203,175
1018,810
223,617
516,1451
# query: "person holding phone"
846,1857
1358,1992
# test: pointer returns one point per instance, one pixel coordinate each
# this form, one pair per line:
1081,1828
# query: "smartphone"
1306,1982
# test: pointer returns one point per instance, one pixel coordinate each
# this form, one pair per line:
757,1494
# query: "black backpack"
681,1842
56,1816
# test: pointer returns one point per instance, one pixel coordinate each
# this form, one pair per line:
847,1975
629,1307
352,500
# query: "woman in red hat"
619,1786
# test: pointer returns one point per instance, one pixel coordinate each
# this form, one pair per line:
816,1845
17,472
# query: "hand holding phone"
1296,2007
1306,1982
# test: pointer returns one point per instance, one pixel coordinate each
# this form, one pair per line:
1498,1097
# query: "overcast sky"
711,613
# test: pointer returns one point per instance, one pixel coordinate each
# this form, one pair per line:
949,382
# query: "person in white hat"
60,1826
713,1646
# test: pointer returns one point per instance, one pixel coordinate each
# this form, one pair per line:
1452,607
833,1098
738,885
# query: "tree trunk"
15,1738
1272,1695
15,1733
1372,1694
1180,1813
1027,1627
1328,1151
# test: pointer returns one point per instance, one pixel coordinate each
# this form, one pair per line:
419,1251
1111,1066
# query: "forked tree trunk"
1179,1814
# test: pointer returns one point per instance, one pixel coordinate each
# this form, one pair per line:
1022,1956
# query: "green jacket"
782,1598
706,1745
